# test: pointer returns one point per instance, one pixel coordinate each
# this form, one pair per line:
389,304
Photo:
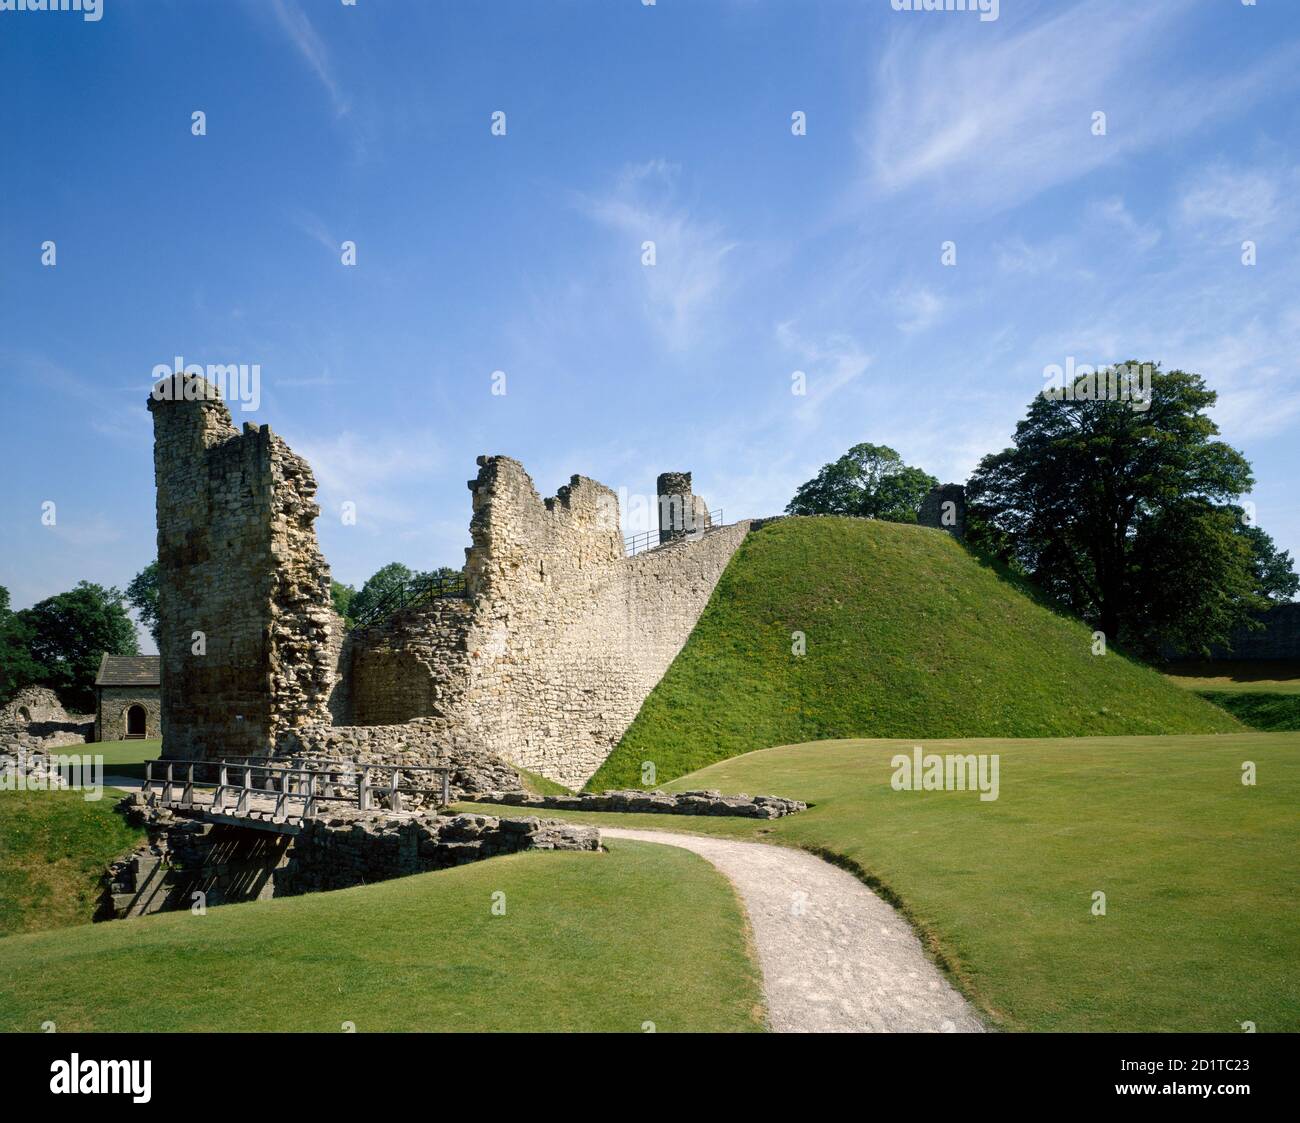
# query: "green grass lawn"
537,784
1263,695
1259,709
1260,676
1200,872
907,635
588,942
124,758
54,847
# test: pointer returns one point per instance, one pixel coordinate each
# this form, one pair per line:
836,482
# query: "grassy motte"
907,635
536,784
1198,869
596,942
54,847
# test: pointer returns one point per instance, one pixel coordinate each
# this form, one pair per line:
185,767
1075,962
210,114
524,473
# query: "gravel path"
125,783
835,957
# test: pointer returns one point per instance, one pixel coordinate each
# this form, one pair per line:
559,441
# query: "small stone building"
128,698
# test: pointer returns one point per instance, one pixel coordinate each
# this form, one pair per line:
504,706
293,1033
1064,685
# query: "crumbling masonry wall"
243,604
544,663
561,639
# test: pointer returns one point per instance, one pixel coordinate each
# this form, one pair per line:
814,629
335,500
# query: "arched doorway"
135,722
24,715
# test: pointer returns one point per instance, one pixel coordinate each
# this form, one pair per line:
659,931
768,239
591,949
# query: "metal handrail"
648,539
434,586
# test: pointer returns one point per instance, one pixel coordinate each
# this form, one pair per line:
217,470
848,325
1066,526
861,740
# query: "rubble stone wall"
706,801
569,636
35,704
944,508
239,573
543,663
183,856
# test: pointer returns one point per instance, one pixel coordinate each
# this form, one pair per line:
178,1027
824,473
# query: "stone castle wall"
238,563
1277,638
561,639
544,662
569,636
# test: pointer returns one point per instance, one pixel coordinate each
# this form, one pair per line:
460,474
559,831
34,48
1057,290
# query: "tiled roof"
128,670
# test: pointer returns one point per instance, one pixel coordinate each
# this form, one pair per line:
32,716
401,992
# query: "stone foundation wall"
336,854
702,802
44,736
35,704
184,856
1277,639
425,741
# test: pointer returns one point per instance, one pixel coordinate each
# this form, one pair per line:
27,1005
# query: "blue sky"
522,253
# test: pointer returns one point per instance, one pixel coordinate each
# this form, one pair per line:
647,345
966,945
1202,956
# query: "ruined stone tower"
944,508
680,511
245,625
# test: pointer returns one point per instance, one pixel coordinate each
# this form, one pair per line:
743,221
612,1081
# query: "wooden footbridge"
281,796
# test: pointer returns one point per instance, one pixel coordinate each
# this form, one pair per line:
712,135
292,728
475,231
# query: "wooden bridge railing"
290,784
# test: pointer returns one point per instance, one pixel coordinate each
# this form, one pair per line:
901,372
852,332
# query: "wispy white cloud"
1111,211
689,270
986,124
370,473
294,23
917,306
314,227
1236,201
1015,255
831,364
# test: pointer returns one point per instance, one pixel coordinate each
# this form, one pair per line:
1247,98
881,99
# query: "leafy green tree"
341,596
1275,576
390,585
390,581
69,632
870,481
1123,511
142,593
17,667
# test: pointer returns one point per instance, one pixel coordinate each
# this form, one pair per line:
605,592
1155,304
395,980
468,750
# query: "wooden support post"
241,808
394,795
446,786
147,790
219,796
188,794
309,804
363,790
170,781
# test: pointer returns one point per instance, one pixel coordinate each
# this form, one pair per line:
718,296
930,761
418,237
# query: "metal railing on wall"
649,539
430,587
